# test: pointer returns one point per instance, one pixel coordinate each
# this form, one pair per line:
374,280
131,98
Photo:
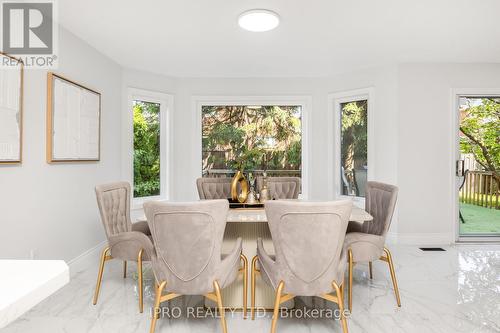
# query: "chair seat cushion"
354,226
364,247
266,276
141,226
126,246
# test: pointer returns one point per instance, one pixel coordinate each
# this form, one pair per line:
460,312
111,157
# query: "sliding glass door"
478,166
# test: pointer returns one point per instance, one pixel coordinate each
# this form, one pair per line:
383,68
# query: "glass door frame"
456,94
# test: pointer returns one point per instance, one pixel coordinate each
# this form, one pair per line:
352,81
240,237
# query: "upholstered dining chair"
365,242
281,187
214,188
308,240
127,241
187,258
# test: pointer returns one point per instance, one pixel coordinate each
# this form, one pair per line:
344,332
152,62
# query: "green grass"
481,198
479,220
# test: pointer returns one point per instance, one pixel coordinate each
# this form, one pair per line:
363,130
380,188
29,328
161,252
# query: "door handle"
460,168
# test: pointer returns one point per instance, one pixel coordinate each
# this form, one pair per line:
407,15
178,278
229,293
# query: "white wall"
426,208
51,209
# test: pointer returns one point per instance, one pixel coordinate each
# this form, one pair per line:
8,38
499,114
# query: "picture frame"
73,121
11,109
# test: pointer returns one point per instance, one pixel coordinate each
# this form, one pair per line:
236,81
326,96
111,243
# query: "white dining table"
236,215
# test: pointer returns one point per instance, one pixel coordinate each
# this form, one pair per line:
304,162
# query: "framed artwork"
73,121
11,109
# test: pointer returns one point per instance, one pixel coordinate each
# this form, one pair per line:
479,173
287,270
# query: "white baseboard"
420,238
89,258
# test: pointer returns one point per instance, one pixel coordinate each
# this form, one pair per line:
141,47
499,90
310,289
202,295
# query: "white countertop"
25,283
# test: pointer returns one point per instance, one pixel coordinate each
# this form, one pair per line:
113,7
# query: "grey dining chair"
127,241
281,187
308,241
214,188
365,242
187,258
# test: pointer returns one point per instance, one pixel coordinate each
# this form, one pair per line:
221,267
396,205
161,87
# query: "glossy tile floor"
453,291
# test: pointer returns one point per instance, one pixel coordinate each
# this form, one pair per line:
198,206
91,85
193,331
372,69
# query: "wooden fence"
481,189
217,173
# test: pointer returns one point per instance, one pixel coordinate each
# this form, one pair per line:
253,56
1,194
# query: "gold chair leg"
156,308
124,269
371,270
139,280
342,289
104,255
340,297
351,264
393,275
245,284
277,302
252,287
221,307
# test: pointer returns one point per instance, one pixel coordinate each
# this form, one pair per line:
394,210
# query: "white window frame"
166,102
335,100
304,101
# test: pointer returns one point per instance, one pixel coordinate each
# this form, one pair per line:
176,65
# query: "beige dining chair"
281,187
214,188
187,258
308,241
365,242
127,241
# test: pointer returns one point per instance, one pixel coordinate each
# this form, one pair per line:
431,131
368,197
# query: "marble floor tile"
453,291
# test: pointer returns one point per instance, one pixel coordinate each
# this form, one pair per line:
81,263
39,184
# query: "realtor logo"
29,32
27,28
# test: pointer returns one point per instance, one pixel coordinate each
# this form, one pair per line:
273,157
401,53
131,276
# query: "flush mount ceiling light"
258,20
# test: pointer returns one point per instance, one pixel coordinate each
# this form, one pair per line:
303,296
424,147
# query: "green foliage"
250,138
354,145
146,149
480,129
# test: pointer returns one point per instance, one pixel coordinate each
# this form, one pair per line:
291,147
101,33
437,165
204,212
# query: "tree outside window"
252,138
354,147
146,149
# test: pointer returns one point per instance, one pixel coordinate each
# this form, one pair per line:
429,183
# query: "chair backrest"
308,238
113,200
187,239
380,201
214,188
281,187
360,176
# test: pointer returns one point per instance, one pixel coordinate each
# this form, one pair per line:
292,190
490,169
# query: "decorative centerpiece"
252,199
264,191
239,178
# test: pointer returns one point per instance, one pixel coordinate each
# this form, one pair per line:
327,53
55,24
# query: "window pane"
146,149
353,147
256,137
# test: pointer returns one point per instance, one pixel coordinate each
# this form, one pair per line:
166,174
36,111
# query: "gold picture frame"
9,122
73,121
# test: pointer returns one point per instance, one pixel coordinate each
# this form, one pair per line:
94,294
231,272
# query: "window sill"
137,203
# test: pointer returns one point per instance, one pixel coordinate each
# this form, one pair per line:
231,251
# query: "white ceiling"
201,38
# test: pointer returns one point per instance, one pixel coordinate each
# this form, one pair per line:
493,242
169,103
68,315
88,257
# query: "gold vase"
239,178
